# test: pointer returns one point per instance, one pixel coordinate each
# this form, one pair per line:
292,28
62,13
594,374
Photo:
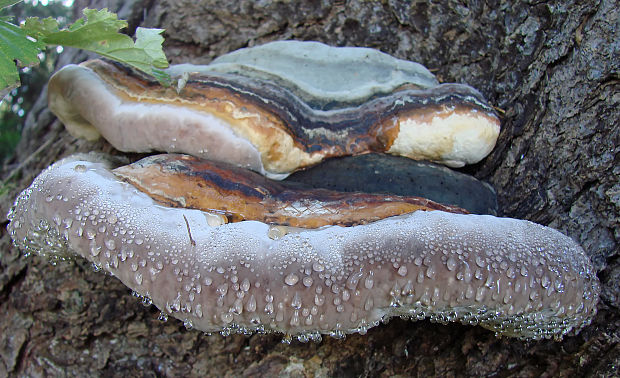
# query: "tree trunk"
551,69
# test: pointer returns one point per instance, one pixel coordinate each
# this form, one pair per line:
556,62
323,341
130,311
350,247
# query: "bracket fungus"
225,250
512,276
263,114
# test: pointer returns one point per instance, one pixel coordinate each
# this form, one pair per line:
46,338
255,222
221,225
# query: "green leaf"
98,32
162,76
150,40
39,28
8,3
15,46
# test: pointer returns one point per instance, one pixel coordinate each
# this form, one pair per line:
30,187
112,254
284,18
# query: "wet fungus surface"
515,277
225,250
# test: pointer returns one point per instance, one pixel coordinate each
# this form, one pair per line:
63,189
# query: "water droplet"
296,302
276,232
110,244
318,267
250,306
90,234
245,284
346,295
451,263
226,317
545,282
295,319
480,294
353,280
469,293
215,220
478,274
68,222
307,281
279,315
222,289
80,168
369,281
146,301
291,279
402,271
269,308
237,307
368,305
430,272
510,272
319,300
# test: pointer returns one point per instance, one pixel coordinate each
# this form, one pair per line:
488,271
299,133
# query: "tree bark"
552,70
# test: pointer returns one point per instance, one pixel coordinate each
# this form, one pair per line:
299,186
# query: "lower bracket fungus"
512,276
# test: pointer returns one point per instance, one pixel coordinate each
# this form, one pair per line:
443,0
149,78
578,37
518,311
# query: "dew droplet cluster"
514,277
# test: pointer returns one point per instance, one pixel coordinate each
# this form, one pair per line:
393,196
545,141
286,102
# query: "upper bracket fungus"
262,110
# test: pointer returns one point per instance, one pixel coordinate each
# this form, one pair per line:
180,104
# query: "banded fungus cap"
255,113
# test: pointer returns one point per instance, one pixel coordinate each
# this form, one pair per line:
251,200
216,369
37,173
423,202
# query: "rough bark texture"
553,69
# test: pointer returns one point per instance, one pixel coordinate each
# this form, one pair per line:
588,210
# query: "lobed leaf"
14,46
98,32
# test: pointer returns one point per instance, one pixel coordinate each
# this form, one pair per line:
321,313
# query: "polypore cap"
266,111
512,276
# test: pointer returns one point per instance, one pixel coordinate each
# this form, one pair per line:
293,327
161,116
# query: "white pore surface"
515,277
453,140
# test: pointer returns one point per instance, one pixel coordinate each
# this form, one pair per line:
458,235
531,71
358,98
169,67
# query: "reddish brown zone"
185,181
